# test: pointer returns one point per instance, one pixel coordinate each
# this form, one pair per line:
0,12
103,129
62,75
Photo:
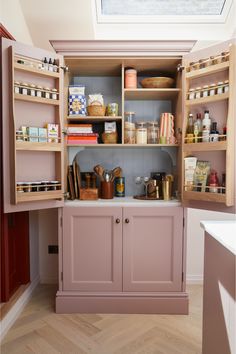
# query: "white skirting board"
194,279
18,307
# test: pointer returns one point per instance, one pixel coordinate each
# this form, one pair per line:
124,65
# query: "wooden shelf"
214,146
25,68
94,118
35,99
205,196
209,99
208,71
38,146
122,145
35,196
151,94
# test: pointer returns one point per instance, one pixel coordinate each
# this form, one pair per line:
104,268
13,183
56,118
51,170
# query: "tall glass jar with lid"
152,132
129,131
141,133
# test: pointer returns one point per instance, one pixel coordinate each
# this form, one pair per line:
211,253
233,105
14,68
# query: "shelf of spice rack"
151,93
216,68
28,98
25,68
122,145
93,118
209,99
37,146
205,196
36,196
213,146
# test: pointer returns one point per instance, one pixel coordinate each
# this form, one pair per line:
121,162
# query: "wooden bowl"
157,82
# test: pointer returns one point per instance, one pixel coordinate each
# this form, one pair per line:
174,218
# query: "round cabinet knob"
126,221
117,221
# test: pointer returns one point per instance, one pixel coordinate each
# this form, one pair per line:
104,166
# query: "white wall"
12,18
195,241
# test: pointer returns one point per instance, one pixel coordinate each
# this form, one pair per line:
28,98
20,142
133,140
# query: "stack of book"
81,134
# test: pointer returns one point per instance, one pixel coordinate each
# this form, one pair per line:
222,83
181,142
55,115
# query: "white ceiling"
78,19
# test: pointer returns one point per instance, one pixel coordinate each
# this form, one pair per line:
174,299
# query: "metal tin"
120,186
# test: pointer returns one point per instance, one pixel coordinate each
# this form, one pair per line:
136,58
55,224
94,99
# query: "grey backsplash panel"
147,110
133,161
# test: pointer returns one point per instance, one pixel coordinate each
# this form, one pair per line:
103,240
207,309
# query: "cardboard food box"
33,133
42,135
52,130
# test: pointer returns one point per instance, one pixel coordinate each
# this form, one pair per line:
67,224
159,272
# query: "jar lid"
220,83
202,60
47,88
131,70
45,182
54,90
212,85
141,124
24,84
17,82
198,88
129,113
28,183
19,131
205,86
192,89
153,123
225,53
32,85
34,183
54,182
39,87
20,183
226,81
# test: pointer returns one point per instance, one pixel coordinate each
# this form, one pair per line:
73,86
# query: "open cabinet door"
32,98
217,149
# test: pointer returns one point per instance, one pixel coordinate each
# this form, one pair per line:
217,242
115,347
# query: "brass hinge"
61,276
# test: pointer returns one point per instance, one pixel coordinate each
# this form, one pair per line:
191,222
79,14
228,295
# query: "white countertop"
123,201
223,231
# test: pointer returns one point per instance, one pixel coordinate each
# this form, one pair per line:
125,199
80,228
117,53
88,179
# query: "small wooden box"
88,194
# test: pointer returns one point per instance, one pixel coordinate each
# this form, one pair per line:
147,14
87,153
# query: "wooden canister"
130,78
107,190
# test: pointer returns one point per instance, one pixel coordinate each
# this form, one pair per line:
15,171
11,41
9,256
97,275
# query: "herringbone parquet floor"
40,331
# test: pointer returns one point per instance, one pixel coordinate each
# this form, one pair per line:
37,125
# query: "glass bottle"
206,126
55,67
45,64
190,129
213,182
214,134
50,65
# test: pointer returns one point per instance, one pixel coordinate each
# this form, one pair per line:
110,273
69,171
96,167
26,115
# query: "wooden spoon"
116,172
99,170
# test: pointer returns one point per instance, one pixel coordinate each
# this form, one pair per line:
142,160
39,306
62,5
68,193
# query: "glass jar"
218,59
32,89
152,132
130,78
191,94
54,185
141,133
129,128
224,56
205,91
44,186
46,92
54,94
212,89
198,92
19,187
24,88
226,86
39,90
36,186
27,187
202,63
220,86
17,87
19,135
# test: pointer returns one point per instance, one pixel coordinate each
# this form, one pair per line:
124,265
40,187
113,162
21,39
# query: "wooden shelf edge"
38,146
214,146
204,196
35,99
94,118
173,89
123,145
36,196
22,67
209,99
207,71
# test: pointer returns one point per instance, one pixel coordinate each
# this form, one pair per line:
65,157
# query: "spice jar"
27,187
153,133
217,59
54,94
224,56
47,92
202,63
141,133
24,88
226,86
198,92
39,91
19,135
19,187
212,90
129,131
191,94
205,91
32,89
36,186
16,86
130,78
44,186
53,185
219,90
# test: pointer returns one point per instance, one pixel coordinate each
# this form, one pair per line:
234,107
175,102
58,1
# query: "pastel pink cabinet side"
153,249
92,249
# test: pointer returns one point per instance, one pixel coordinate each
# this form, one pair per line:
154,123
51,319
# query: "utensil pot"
107,190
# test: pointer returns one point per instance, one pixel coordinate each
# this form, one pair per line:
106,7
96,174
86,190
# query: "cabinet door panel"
92,249
152,245
17,113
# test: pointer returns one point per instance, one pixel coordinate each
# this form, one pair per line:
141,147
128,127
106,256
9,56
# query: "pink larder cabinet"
153,249
92,249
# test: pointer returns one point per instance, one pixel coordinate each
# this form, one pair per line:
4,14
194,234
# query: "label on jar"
120,187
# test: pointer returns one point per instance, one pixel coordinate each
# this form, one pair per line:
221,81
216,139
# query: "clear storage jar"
17,87
141,133
226,86
32,89
24,88
46,92
212,89
54,94
129,128
152,132
205,91
220,87
198,92
191,94
39,90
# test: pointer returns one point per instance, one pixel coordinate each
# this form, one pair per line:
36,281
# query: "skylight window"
162,7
